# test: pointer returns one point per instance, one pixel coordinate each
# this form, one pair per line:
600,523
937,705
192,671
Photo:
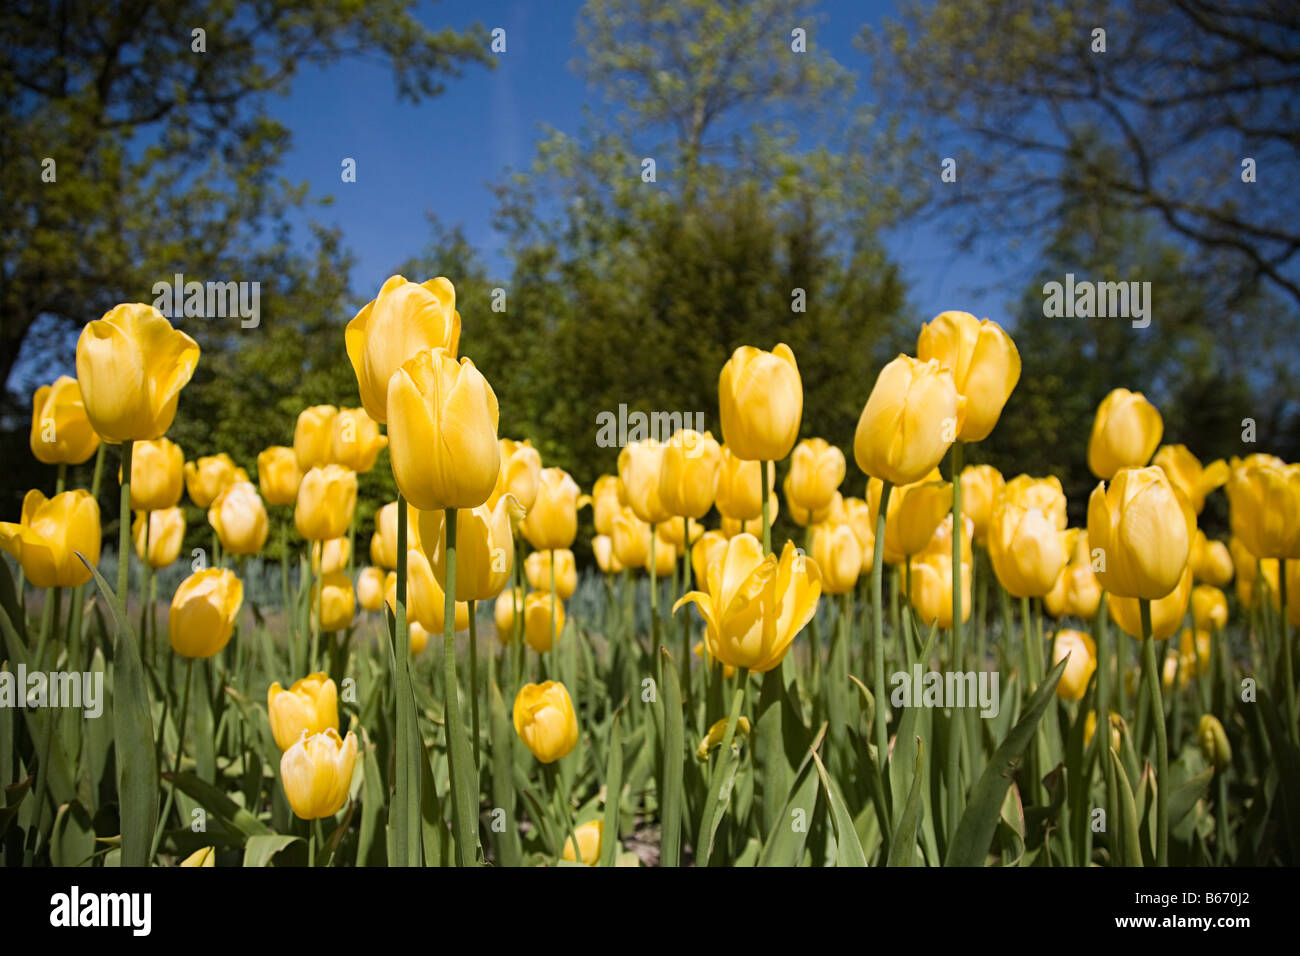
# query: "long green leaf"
613,793
849,850
673,764
902,847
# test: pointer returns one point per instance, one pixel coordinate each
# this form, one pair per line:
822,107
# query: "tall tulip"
330,556
552,522
816,470
640,466
278,475
760,401
631,539
1264,500
326,499
310,705
1076,592
738,492
521,464
984,363
912,417
333,601
538,571
980,486
207,478
203,612
1211,561
313,437
61,431
166,532
689,472
157,475
607,498
239,518
484,548
838,553
317,773
355,441
1188,475
51,533
543,620
545,720
1144,529
1082,652
370,588
1125,433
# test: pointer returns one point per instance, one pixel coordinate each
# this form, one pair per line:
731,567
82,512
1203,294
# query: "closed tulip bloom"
1082,652
203,612
760,402
1125,433
1026,548
537,568
717,733
602,547
838,554
61,432
941,540
665,556
1209,608
503,613
732,527
1045,494
1166,613
313,437
333,602
310,705
631,539
442,430
545,720
816,470
166,531
278,475
370,588
521,465
426,601
419,639
131,367
689,473
980,487
330,556
157,475
1211,561
930,588
207,478
50,534
485,549
925,512
541,630
326,499
640,467
607,499
1090,728
1264,500
589,838
1213,741
1144,529
239,518
1076,592
1186,472
1249,571
707,551
317,773
755,604
738,493
383,544
671,531
984,363
204,856
553,520
858,514
406,318
911,419
355,441
1195,649
727,670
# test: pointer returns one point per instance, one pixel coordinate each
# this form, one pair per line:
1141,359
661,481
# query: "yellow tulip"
1209,608
370,588
672,531
61,432
537,568
713,739
426,601
406,318
520,467
552,522
485,548
665,556
756,605
278,475
838,553
816,470
313,437
911,419
915,512
543,620
738,493
1144,528
157,475
760,402
1090,728
733,526
50,534
355,441
1125,433
640,466
984,363
1045,494
1026,548
545,720
631,539
317,773
239,518
1195,648
335,553
1211,561
131,366
930,587
1082,652
333,602
1185,471
326,499
941,540
383,544
1249,570
203,612
207,478
589,839
1264,500
607,499
1213,741
1166,612
204,856
858,514
727,670
503,613
166,530
419,638
708,550
689,473
980,487
602,548
1076,592
310,706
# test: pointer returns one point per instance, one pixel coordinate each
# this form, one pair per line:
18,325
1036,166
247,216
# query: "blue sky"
443,154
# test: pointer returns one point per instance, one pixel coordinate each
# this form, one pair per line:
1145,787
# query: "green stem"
464,773
878,627
473,677
176,765
767,518
686,617
405,812
1288,671
1152,675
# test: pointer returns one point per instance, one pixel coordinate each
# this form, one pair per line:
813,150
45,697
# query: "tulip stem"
176,765
878,625
1152,675
99,471
473,676
1288,672
767,518
289,616
124,528
654,601
464,773
406,798
686,618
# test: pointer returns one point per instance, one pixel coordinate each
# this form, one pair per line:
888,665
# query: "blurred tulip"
337,552
204,856
640,467
50,534
915,511
984,363
930,588
543,620
1045,494
537,568
858,514
207,478
503,613
1185,471
313,436
419,638
157,475
383,543
1249,570
911,419
607,499
1264,500
239,518
589,839
326,499
1213,741
1209,608
406,318
310,706
1195,650
521,465
732,527
760,402
553,520
713,739
166,533
689,473
131,367
738,492
1166,612
1125,433
980,487
485,547
838,553
1211,561
278,475
545,720
816,470
631,539
1083,661
1026,548
61,432
1076,592
1144,529
370,588
317,773
707,551
425,599
672,531
355,441
665,556
333,602
1090,728
602,548
203,612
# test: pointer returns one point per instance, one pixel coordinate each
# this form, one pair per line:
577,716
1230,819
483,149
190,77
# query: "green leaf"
613,792
1129,848
258,850
235,818
902,847
848,848
785,843
673,764
503,791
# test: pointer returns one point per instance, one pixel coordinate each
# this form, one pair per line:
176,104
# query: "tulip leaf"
979,822
372,800
673,767
903,758
785,844
259,850
613,792
1129,848
902,846
503,790
237,819
849,850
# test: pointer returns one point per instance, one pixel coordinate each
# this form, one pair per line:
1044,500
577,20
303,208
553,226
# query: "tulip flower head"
203,612
760,403
545,720
51,533
911,419
61,431
1125,433
317,773
983,362
310,705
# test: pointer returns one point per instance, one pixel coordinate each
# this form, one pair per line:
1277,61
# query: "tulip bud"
419,639
1166,612
980,487
317,773
543,620
589,839
326,499
717,732
336,553
355,441
672,531
983,361
521,466
1211,561
760,403
1082,653
204,856
370,588
545,720
816,470
1144,529
1264,501
131,367
485,548
157,475
915,513
552,523
1213,740
537,568
1076,592
207,478
838,554
278,475
1188,476
607,499
910,420
203,612
310,706
689,473
738,493
1209,608
1125,433
239,518
166,531
858,514
732,527
333,602
930,588
61,432
631,539
503,613
51,533
640,466
313,436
